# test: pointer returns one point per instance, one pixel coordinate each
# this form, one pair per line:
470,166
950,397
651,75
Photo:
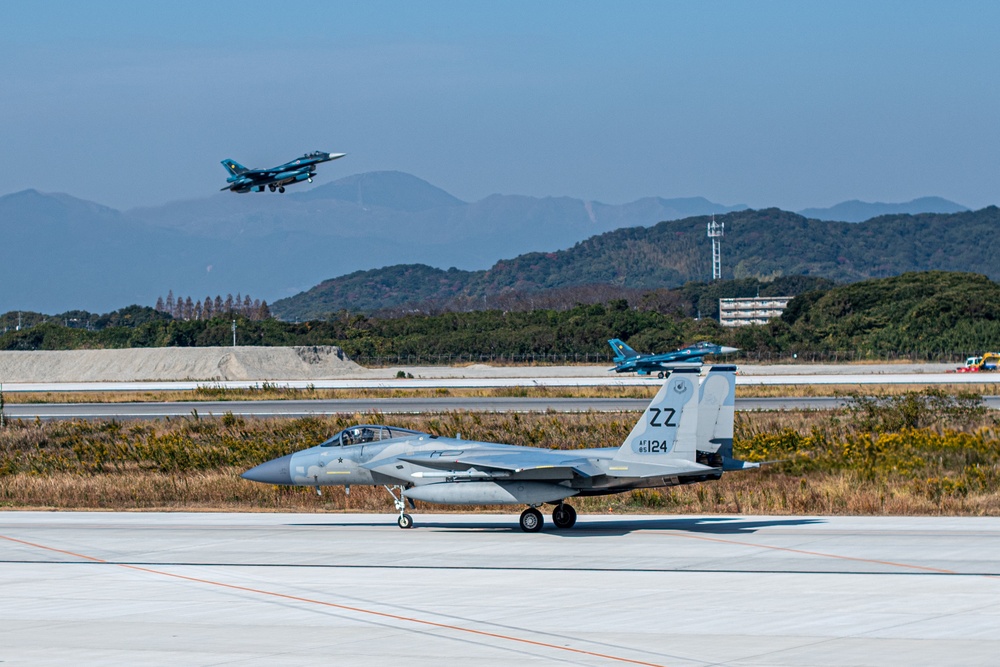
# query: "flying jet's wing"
512,462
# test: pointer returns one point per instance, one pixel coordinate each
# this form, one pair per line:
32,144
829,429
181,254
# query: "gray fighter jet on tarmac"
684,436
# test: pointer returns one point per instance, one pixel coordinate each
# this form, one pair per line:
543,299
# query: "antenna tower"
715,232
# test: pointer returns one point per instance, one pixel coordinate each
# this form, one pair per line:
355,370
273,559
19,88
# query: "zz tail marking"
655,415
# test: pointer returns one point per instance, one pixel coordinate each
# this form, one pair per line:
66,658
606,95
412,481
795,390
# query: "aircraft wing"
512,462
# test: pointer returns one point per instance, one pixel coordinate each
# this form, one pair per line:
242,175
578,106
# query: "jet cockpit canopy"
363,433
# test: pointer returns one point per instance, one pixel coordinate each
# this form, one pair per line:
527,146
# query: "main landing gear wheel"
405,521
531,520
660,375
281,189
270,187
564,516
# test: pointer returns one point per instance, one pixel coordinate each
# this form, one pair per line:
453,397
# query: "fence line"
805,357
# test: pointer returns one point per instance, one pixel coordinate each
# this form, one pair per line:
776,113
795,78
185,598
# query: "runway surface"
516,377
300,408
293,589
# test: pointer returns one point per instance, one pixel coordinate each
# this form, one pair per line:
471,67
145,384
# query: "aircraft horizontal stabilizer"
729,464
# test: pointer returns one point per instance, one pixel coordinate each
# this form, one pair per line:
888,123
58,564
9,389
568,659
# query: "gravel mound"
177,363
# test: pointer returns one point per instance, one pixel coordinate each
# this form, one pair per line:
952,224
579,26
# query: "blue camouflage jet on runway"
685,436
242,179
628,360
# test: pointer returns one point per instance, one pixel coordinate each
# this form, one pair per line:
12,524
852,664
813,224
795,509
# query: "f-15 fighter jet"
242,179
684,436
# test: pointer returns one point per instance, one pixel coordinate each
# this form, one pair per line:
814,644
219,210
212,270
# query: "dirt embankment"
177,363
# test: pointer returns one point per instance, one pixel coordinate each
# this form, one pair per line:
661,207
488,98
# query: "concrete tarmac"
348,406
353,589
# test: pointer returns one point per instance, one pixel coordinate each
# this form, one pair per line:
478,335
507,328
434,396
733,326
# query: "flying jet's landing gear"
564,516
660,375
531,520
404,520
270,187
281,188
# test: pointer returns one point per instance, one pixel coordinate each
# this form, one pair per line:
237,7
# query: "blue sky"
790,104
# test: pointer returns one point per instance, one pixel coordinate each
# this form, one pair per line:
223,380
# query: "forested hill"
759,244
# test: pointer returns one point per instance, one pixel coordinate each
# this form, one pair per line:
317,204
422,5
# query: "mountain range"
758,244
859,211
61,253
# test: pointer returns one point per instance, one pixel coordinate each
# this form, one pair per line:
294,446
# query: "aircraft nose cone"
728,350
334,156
275,471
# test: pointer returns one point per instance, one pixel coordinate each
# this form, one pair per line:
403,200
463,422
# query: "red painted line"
343,607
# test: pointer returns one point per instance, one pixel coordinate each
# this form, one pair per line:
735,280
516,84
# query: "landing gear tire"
660,375
281,189
531,520
270,187
563,516
404,520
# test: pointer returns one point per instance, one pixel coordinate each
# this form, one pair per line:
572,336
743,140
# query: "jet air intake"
489,493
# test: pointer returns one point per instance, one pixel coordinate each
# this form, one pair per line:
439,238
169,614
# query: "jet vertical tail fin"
233,167
717,410
668,429
716,414
622,351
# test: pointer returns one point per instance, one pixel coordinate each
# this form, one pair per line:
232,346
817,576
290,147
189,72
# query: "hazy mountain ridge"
61,253
277,245
759,244
859,211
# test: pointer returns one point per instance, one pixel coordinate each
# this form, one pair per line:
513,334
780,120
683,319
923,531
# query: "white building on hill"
751,310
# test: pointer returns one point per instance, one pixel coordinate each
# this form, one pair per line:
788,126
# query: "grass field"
926,452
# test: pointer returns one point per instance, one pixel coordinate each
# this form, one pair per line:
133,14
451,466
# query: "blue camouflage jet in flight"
242,179
684,436
628,360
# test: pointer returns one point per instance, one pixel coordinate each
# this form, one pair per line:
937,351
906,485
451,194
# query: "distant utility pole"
715,232
234,333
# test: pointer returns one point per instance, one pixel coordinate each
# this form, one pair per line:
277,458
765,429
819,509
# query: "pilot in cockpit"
357,435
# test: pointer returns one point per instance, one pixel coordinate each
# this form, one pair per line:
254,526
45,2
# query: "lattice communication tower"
715,232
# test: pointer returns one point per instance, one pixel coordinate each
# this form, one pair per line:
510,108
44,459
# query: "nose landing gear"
404,520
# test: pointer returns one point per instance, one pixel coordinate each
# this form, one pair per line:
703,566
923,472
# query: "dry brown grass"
834,465
749,492
278,394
